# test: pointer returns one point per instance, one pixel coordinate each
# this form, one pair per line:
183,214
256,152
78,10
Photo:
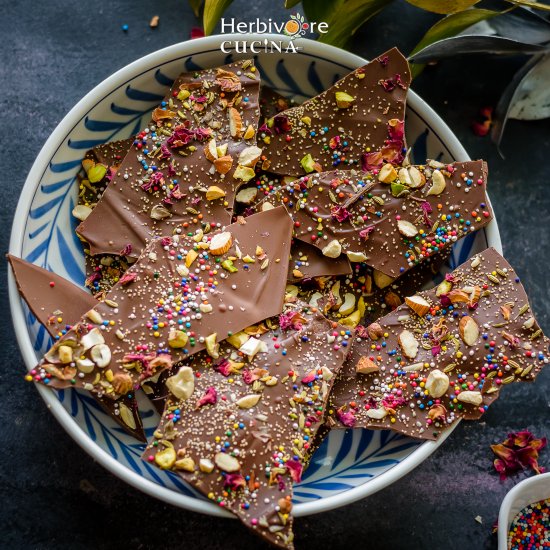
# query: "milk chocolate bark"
358,300
238,429
346,125
390,219
445,354
186,166
307,261
185,293
57,304
98,168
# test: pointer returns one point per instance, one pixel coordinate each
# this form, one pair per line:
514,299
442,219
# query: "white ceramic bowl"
350,464
527,492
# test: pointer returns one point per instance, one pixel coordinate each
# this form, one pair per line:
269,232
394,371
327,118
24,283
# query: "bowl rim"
54,142
504,521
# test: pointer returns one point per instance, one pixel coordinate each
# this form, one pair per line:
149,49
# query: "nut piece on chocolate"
389,219
57,304
186,293
449,361
186,166
239,428
335,128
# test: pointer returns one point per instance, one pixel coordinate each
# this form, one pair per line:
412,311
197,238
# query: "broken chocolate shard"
307,262
58,304
335,128
391,219
238,429
186,166
445,354
185,293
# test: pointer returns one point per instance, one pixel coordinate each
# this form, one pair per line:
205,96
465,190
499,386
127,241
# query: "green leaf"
196,6
291,3
213,10
348,18
450,26
530,4
321,10
443,6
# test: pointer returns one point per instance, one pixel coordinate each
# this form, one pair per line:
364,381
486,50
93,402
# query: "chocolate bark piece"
57,304
272,102
238,429
103,270
446,355
336,127
185,294
392,224
360,299
186,166
307,262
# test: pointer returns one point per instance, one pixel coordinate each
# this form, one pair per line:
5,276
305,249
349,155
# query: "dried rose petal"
223,367
295,469
426,210
308,378
281,124
234,481
519,450
292,320
347,418
127,278
339,213
210,397
364,233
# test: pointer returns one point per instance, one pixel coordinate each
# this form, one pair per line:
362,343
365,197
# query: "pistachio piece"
437,383
247,195
166,458
177,338
366,366
333,249
243,173
250,156
343,100
307,163
249,401
182,384
206,465
81,212
221,243
387,173
160,212
408,344
438,183
470,397
214,192
122,383
407,229
127,416
101,355
226,462
212,347
186,464
65,354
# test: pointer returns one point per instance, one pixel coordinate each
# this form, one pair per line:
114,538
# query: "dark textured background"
53,495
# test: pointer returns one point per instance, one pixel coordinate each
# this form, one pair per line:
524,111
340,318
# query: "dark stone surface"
53,495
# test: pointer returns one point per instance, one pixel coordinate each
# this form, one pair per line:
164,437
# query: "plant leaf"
450,26
522,24
466,44
443,6
321,10
213,10
532,98
291,3
530,4
349,17
507,99
196,6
